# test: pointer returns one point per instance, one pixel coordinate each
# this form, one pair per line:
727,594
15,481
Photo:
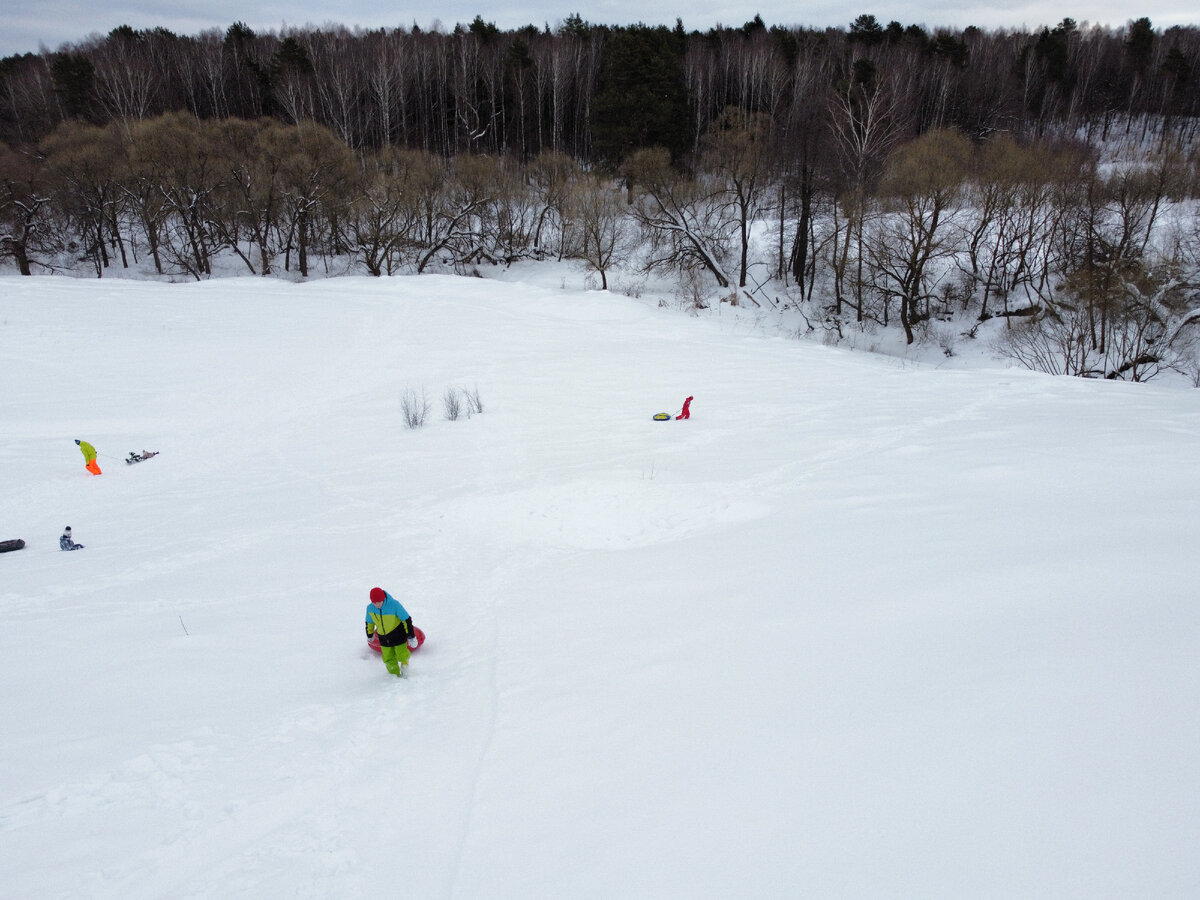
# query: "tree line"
861,195
901,233
597,92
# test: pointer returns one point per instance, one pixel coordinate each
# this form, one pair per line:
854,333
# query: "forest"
874,176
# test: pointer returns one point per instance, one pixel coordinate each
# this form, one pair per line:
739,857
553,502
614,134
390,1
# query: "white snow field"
859,628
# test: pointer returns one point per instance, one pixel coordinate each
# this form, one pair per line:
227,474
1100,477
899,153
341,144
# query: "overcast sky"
28,26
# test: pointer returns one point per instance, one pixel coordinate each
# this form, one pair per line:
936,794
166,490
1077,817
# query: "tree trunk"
20,253
800,246
302,244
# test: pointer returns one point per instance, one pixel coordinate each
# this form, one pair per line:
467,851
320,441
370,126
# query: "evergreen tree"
73,76
641,99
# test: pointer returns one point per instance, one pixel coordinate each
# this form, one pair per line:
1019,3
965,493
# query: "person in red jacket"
685,413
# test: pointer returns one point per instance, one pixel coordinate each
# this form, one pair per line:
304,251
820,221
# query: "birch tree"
866,119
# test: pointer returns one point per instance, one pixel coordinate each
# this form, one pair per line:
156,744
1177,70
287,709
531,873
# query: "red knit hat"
378,595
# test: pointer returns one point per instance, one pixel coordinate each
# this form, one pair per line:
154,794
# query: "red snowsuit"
685,414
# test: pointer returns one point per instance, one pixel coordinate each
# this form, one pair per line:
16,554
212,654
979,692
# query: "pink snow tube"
373,643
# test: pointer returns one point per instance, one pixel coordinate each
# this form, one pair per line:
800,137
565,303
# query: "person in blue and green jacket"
391,621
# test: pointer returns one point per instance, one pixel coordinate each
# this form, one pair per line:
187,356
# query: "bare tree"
292,81
1038,242
454,210
28,108
25,232
597,224
201,65
313,175
148,205
991,219
1112,273
683,220
920,190
738,149
551,175
1151,326
85,163
387,72
866,120
516,212
339,82
806,159
249,205
128,75
385,214
171,156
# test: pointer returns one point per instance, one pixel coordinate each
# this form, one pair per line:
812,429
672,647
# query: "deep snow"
860,628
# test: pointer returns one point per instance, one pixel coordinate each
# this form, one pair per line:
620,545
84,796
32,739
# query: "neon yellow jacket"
89,452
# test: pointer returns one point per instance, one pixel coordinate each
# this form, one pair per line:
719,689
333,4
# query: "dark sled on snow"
15,544
373,643
139,457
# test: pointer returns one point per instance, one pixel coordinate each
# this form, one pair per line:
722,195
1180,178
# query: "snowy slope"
859,628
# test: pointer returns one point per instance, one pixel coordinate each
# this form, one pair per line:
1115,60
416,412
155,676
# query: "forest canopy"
598,91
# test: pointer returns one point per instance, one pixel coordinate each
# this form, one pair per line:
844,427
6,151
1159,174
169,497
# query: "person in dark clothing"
66,542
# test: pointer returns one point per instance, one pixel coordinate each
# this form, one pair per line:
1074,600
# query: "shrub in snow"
945,338
415,407
474,404
452,404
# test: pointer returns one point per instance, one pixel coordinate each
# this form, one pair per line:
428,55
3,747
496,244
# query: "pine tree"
641,100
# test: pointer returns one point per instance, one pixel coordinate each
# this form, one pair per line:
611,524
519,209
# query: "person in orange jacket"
89,456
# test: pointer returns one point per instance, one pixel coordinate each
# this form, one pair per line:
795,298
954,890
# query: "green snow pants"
395,657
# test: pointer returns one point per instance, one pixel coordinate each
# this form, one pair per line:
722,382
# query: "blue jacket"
387,618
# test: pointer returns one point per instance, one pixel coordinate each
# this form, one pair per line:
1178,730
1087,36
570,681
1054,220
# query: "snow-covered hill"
859,628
